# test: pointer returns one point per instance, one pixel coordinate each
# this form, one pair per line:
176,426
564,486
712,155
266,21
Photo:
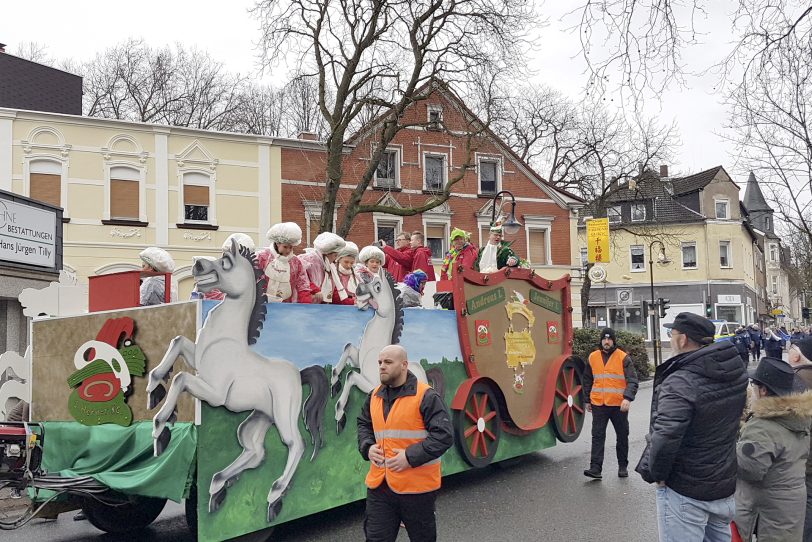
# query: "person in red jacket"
411,257
462,253
392,264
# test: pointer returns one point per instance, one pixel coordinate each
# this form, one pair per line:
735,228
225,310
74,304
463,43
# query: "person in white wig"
345,278
317,262
285,276
373,258
242,239
153,289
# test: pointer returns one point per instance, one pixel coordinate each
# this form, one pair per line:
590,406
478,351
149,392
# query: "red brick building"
417,164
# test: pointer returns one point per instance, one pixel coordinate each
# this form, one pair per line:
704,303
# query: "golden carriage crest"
519,346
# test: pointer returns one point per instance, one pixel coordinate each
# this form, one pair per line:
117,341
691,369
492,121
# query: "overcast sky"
226,30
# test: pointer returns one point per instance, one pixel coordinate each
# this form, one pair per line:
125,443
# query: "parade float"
247,409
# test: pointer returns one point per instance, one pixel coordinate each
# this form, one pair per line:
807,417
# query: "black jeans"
601,415
386,509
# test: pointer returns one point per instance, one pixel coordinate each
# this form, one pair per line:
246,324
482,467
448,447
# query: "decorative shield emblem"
483,332
552,332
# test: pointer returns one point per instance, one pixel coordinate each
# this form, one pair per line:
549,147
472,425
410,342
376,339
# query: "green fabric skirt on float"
122,457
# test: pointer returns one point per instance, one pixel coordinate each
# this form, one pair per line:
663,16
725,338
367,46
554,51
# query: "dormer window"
722,211
435,117
613,213
638,212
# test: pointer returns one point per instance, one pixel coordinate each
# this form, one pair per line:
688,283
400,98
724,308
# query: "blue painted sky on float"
316,334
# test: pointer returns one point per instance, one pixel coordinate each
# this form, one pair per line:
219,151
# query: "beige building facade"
124,186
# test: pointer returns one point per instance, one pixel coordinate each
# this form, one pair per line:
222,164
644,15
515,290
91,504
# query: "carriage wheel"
478,426
568,404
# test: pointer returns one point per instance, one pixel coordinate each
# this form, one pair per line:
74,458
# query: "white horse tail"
314,405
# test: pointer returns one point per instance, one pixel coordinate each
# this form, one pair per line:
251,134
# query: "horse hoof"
274,509
216,500
340,423
162,441
336,389
156,396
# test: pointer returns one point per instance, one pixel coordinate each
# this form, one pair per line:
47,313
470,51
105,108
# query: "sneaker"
592,472
622,472
15,493
80,516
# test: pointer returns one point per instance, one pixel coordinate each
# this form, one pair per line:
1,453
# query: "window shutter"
314,229
538,247
46,187
486,232
195,195
124,199
436,231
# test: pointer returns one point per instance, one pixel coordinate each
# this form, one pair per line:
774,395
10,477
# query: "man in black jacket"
404,464
699,395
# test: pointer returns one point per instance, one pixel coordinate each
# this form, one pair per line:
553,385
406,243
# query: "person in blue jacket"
755,341
772,344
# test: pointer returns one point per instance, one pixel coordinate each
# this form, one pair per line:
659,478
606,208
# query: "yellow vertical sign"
597,234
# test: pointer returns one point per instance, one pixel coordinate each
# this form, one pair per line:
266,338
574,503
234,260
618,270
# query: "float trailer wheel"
568,404
478,426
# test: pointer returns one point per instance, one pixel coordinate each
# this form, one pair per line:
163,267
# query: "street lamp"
655,321
511,226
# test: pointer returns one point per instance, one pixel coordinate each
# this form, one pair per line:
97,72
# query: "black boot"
593,472
622,472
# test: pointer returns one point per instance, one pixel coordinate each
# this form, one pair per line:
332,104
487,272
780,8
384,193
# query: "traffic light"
664,306
709,311
805,313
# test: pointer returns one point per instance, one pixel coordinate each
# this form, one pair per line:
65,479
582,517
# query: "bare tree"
771,125
261,110
34,51
386,54
639,45
133,81
301,106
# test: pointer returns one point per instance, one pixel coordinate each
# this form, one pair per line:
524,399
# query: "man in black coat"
699,396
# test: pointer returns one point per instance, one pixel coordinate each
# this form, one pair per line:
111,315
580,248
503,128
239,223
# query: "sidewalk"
12,508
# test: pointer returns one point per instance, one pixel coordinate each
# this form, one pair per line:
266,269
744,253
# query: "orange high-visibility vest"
403,427
610,380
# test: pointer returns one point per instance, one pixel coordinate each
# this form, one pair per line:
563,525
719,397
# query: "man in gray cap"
698,398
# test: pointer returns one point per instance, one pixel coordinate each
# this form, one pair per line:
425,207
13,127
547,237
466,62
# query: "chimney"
663,171
307,136
2,47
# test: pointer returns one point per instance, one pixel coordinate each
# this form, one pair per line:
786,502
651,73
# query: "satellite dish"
597,273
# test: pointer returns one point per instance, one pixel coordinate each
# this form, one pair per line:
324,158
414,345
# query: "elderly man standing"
496,253
403,429
698,399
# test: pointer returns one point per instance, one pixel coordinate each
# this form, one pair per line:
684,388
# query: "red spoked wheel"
479,426
568,404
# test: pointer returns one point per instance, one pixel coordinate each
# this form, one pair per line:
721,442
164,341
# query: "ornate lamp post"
652,308
511,226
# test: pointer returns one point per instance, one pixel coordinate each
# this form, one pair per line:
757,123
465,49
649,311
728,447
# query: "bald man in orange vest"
610,384
403,429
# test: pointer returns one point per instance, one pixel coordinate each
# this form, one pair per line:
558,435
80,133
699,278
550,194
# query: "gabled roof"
444,89
697,181
753,198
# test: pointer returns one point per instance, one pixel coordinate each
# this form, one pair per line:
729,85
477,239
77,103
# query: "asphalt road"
540,497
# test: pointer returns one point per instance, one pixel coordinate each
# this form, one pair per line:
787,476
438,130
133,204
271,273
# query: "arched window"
197,199
125,193
45,181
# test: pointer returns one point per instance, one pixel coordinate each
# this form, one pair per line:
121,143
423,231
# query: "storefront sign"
27,234
730,299
597,234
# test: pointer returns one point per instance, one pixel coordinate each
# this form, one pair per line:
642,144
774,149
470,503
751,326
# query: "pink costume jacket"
299,283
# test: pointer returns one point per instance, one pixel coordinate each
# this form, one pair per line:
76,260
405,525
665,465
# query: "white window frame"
398,164
539,223
774,258
729,254
631,264
696,254
50,165
211,183
437,221
774,284
491,158
434,108
619,214
313,212
716,202
584,254
638,206
141,174
444,170
384,219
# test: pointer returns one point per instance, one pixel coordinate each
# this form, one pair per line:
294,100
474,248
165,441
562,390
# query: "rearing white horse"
379,292
231,374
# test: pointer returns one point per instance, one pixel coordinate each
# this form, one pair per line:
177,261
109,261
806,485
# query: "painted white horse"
384,328
231,374
14,385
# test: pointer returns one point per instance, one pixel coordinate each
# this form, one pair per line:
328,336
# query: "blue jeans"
683,519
